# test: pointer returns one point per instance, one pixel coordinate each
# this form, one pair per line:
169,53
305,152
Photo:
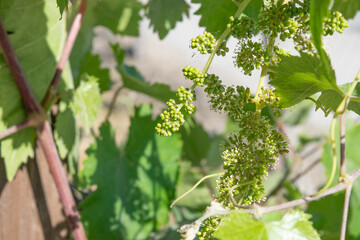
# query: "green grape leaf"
133,80
164,14
331,99
121,16
241,226
135,185
196,141
67,135
87,101
215,14
298,77
295,225
37,53
299,114
91,66
348,8
62,5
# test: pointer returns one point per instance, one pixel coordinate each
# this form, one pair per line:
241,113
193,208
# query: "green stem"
334,160
222,37
340,110
193,188
342,107
264,72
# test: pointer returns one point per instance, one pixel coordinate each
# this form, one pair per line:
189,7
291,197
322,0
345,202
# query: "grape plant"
52,85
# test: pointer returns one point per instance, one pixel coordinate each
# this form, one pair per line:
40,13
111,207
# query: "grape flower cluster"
243,27
206,44
336,22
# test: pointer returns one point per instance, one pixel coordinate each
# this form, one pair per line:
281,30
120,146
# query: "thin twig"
112,103
74,30
27,95
342,146
196,184
16,128
345,211
337,188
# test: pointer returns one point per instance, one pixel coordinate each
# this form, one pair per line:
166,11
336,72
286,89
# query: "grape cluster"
186,96
247,157
171,119
268,97
251,55
336,22
204,43
228,99
208,227
244,27
193,74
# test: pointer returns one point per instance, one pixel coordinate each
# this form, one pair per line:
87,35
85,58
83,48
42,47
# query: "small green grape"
336,22
195,75
244,27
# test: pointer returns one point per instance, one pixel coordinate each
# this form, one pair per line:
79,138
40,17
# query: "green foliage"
91,66
122,16
294,225
348,8
62,5
134,183
320,211
164,14
87,101
67,136
133,80
215,14
196,142
29,39
331,99
299,77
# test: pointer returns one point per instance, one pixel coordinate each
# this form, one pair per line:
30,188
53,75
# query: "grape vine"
250,152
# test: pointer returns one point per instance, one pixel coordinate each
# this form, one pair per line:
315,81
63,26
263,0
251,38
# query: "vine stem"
342,146
340,110
193,188
264,72
345,210
45,138
74,30
46,142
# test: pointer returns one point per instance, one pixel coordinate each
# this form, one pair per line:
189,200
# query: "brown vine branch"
46,141
45,137
74,30
345,211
